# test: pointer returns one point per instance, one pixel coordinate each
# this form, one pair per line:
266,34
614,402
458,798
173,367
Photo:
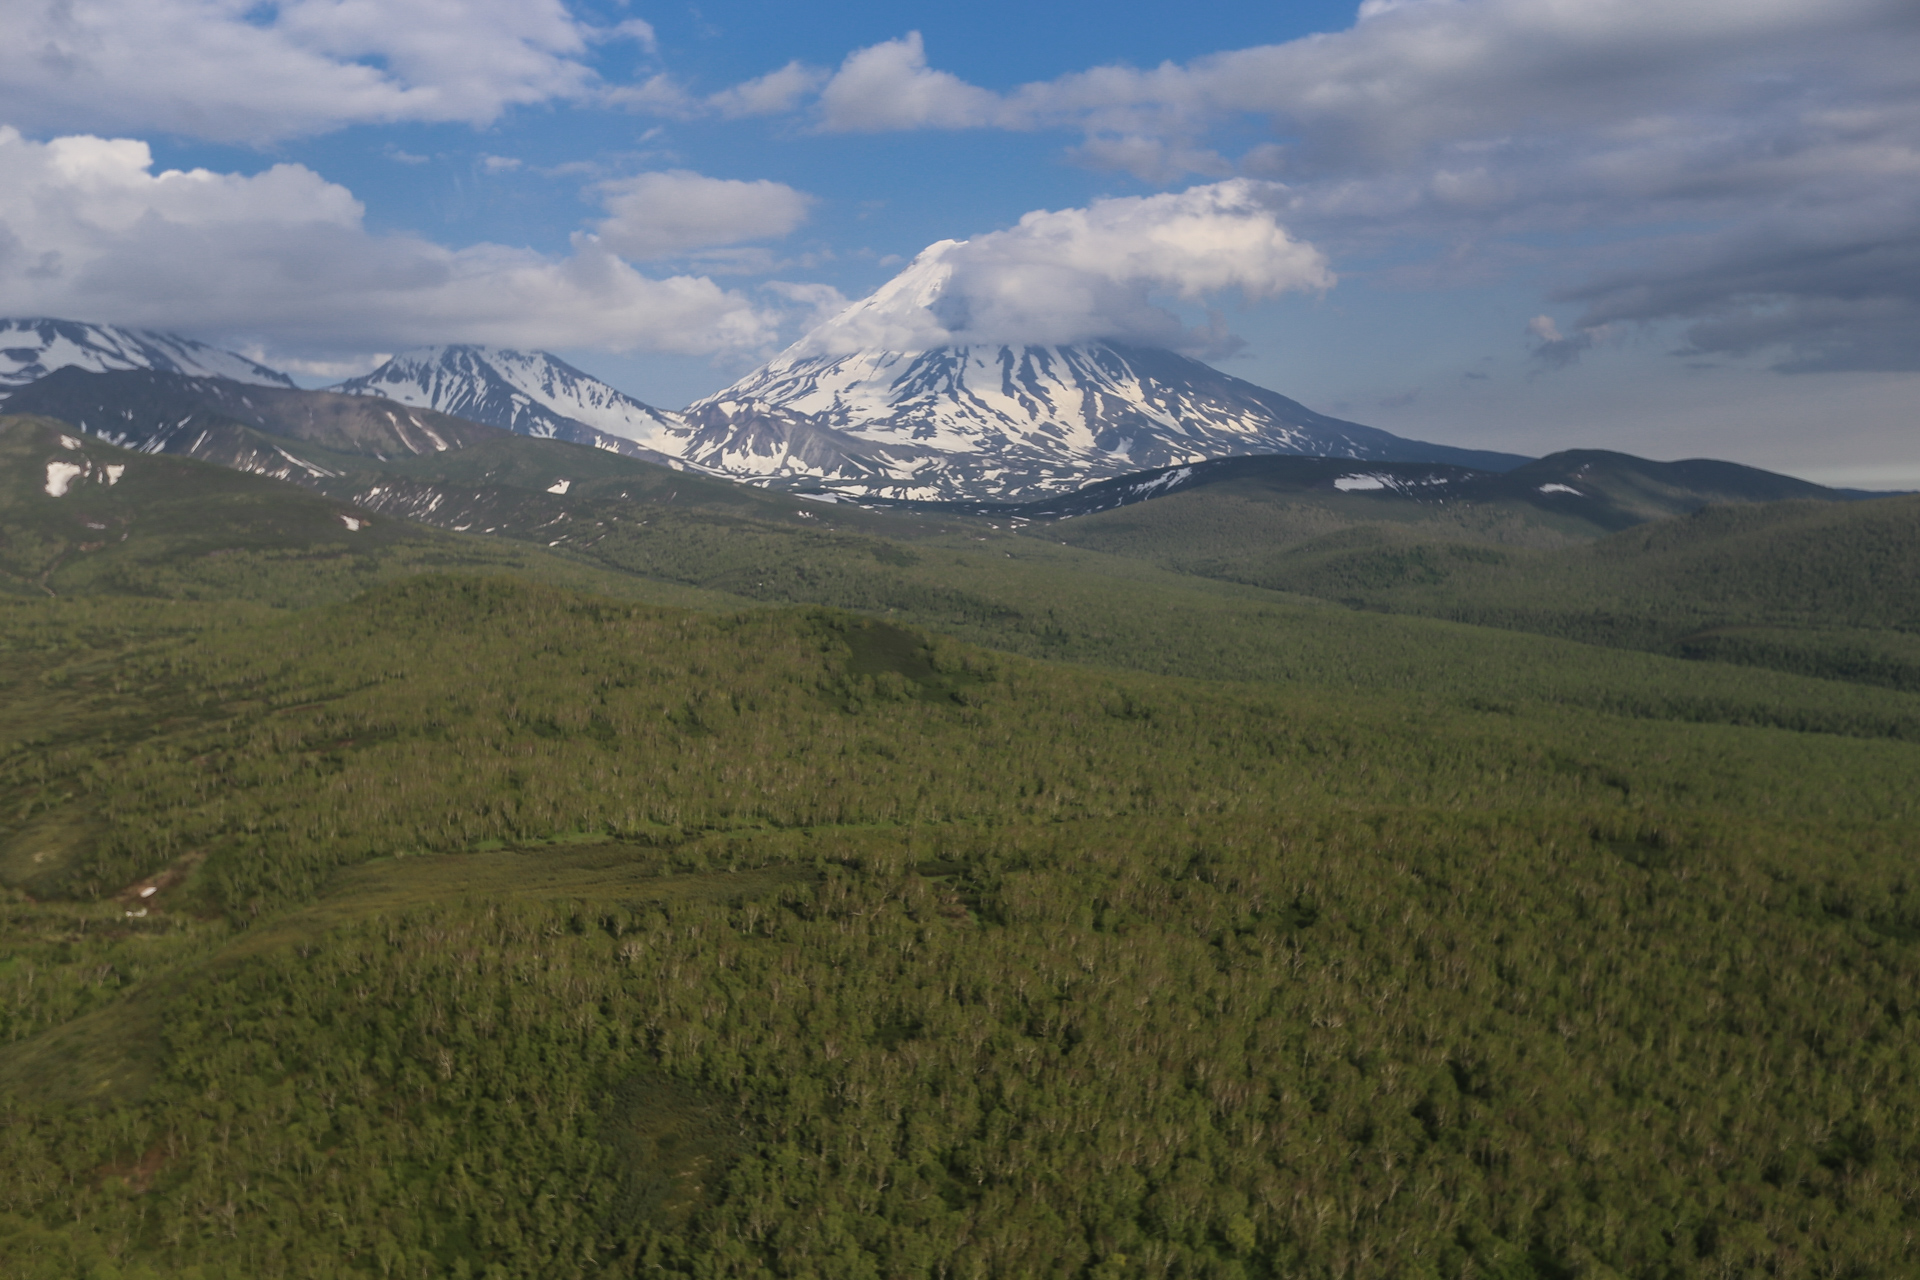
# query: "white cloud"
772,94
822,301
1424,72
637,30
665,215
1152,159
281,258
889,86
234,71
1070,275
1788,130
659,95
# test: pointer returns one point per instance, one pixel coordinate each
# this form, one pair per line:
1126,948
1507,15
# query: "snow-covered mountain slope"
1000,421
1006,422
32,348
529,393
157,412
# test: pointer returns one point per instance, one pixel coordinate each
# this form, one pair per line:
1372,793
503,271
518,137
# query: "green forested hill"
153,526
1583,491
1817,587
930,898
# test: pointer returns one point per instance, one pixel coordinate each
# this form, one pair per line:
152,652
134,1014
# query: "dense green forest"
737,893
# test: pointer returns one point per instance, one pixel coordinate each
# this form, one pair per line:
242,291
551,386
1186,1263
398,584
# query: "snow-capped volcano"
860,404
32,348
529,393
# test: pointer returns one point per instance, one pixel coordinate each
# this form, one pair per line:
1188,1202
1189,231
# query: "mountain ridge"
422,464
530,394
890,398
33,346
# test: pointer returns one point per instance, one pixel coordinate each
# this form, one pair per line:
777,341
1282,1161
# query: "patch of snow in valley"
1559,488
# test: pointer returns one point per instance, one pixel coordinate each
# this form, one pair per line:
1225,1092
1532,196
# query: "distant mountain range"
973,423
418,463
1037,431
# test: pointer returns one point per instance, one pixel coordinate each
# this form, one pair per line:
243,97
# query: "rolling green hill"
213,535
1581,490
1410,538
388,457
1823,585
79,516
159,411
1828,589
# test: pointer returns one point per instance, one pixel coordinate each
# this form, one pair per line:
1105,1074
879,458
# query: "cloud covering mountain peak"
1106,271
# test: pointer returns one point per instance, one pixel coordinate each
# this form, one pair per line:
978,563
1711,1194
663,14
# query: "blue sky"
1678,229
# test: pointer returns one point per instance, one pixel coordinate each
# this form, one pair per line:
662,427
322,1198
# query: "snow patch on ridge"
61,475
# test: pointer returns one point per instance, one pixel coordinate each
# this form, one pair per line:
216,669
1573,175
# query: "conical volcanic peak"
916,310
892,406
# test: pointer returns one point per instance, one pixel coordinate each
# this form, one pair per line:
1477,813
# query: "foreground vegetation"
812,946
1033,910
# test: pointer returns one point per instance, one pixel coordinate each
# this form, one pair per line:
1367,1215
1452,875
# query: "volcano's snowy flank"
32,348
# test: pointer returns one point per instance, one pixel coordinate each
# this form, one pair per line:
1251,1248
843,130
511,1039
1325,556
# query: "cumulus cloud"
660,95
1791,129
772,94
821,302
890,86
282,258
233,71
1071,275
638,30
666,215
